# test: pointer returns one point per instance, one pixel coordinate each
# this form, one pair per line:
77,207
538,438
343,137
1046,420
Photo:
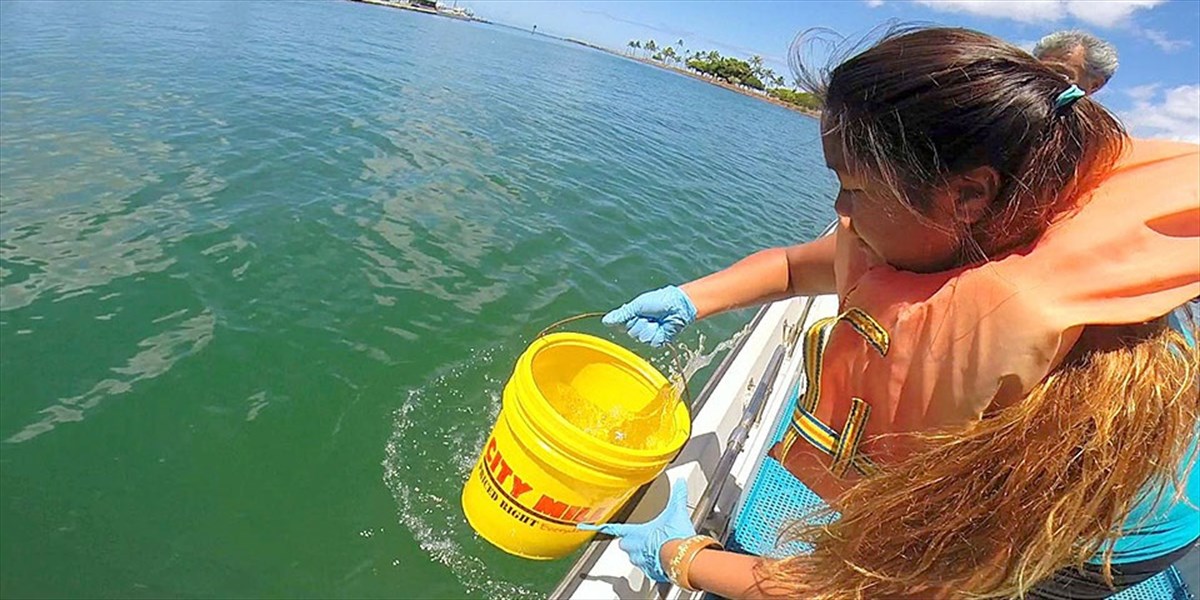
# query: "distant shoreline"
405,5
729,86
402,4
733,88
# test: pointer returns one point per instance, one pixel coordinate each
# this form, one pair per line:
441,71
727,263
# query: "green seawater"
265,267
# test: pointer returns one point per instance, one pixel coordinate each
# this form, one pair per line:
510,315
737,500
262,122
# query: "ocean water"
265,267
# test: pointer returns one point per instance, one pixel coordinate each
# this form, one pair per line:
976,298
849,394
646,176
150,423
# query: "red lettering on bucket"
572,513
519,487
505,471
546,506
592,517
492,455
550,507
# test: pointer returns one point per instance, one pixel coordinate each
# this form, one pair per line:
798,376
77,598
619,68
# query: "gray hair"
1100,56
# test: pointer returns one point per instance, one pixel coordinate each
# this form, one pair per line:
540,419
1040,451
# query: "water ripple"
157,355
328,230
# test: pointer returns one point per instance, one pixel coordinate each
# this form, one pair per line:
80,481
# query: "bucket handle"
675,356
561,322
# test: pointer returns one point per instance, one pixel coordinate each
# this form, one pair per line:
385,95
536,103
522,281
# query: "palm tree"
651,47
669,55
756,66
633,45
770,78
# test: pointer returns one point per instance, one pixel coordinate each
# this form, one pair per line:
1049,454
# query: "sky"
1156,90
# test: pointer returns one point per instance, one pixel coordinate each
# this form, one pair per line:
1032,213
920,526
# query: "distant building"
425,4
457,12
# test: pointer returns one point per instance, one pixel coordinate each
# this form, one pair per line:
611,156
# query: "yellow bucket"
538,474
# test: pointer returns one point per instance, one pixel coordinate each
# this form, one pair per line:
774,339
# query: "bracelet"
681,562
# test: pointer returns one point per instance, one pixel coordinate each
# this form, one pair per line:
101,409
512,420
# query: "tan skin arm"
726,574
766,276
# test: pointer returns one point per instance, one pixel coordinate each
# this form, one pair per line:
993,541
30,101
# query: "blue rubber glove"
655,317
643,542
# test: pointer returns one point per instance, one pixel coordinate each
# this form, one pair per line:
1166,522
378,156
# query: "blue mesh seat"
777,498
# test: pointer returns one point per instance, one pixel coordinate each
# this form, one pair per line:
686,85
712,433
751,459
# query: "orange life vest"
915,352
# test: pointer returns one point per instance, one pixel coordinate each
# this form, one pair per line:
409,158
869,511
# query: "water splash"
435,440
652,425
685,362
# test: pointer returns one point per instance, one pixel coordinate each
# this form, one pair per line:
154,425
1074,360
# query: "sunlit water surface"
265,267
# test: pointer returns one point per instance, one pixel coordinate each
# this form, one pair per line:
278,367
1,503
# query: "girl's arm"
652,545
726,574
765,276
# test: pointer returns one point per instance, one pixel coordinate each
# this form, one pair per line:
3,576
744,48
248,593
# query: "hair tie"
1069,96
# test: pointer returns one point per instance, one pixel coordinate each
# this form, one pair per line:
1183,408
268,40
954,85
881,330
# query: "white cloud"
1174,114
1160,39
874,3
1100,14
1107,14
1143,93
1026,11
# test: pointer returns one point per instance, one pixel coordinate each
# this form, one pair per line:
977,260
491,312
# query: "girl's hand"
643,542
655,317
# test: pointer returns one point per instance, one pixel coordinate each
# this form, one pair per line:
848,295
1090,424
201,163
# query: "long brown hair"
995,507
